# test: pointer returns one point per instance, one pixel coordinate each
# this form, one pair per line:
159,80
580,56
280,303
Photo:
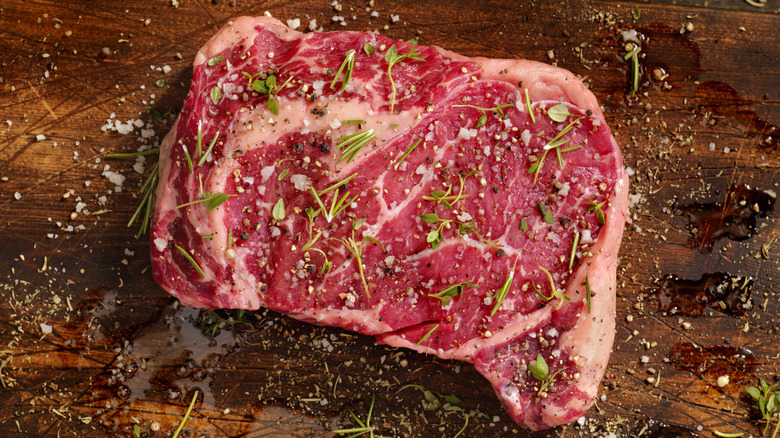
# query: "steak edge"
419,202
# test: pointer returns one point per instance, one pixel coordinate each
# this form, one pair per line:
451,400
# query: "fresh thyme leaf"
215,61
273,106
346,67
547,216
192,261
753,392
430,218
279,212
260,86
369,49
446,294
136,431
270,82
559,113
359,223
337,204
433,238
482,121
392,57
428,333
282,174
523,225
216,94
539,369
161,82
212,200
596,207
408,151
156,115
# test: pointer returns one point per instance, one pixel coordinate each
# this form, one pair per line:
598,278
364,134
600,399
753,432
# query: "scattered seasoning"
212,200
346,66
216,94
596,206
528,105
574,250
186,414
428,333
191,260
406,154
559,113
547,216
369,49
279,212
353,143
483,119
215,61
392,57
446,294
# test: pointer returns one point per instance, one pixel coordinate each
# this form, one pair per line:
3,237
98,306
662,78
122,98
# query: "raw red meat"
463,207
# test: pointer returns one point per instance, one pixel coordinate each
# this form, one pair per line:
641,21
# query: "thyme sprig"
327,265
364,428
767,400
269,88
435,236
348,64
356,249
541,372
556,294
483,119
596,207
452,291
392,57
588,292
212,200
432,403
444,196
555,143
351,144
202,158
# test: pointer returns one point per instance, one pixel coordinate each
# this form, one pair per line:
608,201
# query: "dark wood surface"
121,352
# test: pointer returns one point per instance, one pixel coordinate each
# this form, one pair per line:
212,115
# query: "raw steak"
461,209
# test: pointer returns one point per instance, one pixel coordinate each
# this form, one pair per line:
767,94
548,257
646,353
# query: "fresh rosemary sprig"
406,154
767,400
392,57
555,143
428,333
502,292
555,292
574,249
528,105
596,207
351,144
188,158
147,192
212,200
449,292
186,415
348,65
191,260
337,205
483,119
634,57
202,158
353,122
365,428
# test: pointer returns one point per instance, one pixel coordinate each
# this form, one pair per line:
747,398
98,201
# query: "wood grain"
122,352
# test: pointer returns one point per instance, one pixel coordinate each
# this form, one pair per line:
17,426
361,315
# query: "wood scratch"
34,89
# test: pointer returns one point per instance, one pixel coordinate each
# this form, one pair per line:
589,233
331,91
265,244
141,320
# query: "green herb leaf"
283,174
186,415
187,157
161,82
539,369
482,121
215,61
408,151
523,225
156,115
446,294
353,122
588,292
260,86
279,212
203,157
392,57
430,218
270,82
573,253
547,216
216,94
273,106
501,293
433,238
559,113
351,144
216,200
636,13
369,48
725,434
136,431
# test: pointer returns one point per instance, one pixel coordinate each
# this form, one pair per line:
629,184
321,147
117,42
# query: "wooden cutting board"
91,346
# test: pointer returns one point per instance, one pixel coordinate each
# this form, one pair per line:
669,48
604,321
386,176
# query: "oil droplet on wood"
723,292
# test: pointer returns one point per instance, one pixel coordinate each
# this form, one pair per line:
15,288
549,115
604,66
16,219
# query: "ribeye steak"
469,208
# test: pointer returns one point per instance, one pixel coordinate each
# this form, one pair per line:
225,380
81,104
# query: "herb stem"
500,294
574,249
191,260
428,333
187,156
186,415
208,151
528,105
134,154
